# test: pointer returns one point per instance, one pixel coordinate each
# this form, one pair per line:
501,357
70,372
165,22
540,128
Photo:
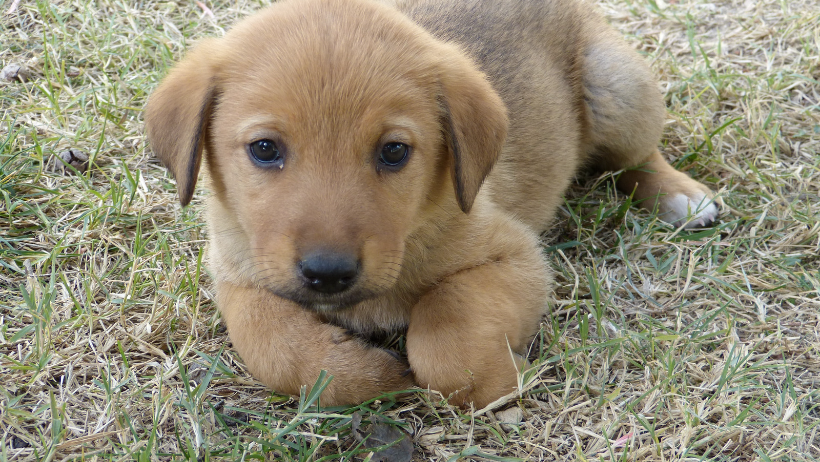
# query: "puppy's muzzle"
329,272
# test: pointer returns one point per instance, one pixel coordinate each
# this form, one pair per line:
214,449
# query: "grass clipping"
662,344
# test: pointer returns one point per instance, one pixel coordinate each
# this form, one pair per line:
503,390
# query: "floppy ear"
474,123
177,115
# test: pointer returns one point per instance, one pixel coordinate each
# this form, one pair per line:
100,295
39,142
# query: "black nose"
329,272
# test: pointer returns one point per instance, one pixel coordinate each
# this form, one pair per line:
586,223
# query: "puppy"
379,168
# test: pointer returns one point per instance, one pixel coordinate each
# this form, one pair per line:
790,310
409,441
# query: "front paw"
286,348
465,380
363,372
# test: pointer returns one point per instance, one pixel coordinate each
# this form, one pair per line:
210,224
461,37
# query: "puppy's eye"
394,154
266,153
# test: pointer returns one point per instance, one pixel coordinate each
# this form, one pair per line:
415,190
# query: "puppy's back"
502,35
532,52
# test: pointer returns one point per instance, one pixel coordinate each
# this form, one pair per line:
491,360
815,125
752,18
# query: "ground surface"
662,345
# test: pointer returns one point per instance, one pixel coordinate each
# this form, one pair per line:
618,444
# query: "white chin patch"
697,212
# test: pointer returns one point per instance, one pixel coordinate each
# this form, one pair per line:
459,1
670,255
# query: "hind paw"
696,210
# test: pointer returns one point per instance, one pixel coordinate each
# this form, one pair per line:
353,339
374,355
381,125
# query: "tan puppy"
347,142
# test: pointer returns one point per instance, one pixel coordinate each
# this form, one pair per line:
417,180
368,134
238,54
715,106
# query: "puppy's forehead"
332,52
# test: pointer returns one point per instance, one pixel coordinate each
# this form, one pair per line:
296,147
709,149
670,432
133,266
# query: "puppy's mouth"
324,303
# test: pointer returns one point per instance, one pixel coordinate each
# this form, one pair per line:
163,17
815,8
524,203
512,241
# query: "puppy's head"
332,131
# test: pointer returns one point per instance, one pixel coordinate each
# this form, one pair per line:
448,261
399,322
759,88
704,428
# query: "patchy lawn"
661,345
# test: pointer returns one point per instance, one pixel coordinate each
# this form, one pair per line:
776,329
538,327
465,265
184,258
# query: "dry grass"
662,345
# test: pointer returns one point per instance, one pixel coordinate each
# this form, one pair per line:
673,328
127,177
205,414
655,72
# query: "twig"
13,7
205,10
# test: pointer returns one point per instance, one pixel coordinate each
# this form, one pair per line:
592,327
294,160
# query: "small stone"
510,418
13,72
75,158
379,433
19,443
197,373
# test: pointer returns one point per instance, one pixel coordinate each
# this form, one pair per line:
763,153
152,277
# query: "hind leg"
626,115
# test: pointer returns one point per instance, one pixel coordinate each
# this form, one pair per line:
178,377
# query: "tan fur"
515,95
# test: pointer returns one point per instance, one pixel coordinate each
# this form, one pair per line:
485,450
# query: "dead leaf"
73,157
14,71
